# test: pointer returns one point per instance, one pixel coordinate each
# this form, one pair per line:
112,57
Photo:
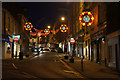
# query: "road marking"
68,71
14,66
28,75
71,69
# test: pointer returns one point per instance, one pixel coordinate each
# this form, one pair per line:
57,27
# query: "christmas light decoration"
63,28
86,18
28,26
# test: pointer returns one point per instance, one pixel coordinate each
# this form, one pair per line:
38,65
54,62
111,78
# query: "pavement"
91,69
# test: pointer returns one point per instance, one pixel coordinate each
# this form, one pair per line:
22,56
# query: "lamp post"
86,19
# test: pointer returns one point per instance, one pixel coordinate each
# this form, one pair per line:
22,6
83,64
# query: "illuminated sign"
103,40
63,28
16,38
86,18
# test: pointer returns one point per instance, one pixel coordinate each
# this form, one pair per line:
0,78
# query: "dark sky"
42,14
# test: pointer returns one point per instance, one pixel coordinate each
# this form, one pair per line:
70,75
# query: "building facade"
13,26
100,41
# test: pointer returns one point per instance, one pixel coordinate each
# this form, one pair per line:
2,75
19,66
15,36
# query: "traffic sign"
72,40
16,37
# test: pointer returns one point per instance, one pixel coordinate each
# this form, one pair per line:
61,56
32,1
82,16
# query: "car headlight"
35,50
39,49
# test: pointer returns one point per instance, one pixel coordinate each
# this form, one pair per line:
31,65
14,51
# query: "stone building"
13,25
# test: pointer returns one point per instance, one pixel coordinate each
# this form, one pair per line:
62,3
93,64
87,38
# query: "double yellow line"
71,69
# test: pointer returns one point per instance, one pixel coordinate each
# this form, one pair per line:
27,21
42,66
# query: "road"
47,65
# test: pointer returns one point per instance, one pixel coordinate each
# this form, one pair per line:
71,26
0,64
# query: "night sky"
42,14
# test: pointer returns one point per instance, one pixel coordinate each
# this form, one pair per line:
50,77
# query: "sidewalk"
91,69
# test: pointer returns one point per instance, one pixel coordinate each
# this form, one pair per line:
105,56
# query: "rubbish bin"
27,55
20,55
66,57
72,60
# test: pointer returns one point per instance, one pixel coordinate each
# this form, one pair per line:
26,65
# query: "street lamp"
48,27
62,18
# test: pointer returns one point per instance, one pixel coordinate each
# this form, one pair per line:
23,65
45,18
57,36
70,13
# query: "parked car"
34,49
46,50
52,49
41,49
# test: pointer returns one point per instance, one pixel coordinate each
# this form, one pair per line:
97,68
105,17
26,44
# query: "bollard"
66,57
82,63
72,60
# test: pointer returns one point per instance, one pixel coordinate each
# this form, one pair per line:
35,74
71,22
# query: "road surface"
47,65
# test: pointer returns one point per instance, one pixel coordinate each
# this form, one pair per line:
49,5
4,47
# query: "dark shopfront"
98,47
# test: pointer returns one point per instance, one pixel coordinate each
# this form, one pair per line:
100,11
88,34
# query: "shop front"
113,50
6,47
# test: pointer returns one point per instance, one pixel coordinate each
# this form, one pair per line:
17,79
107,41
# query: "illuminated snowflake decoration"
28,26
46,31
86,18
63,28
39,34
